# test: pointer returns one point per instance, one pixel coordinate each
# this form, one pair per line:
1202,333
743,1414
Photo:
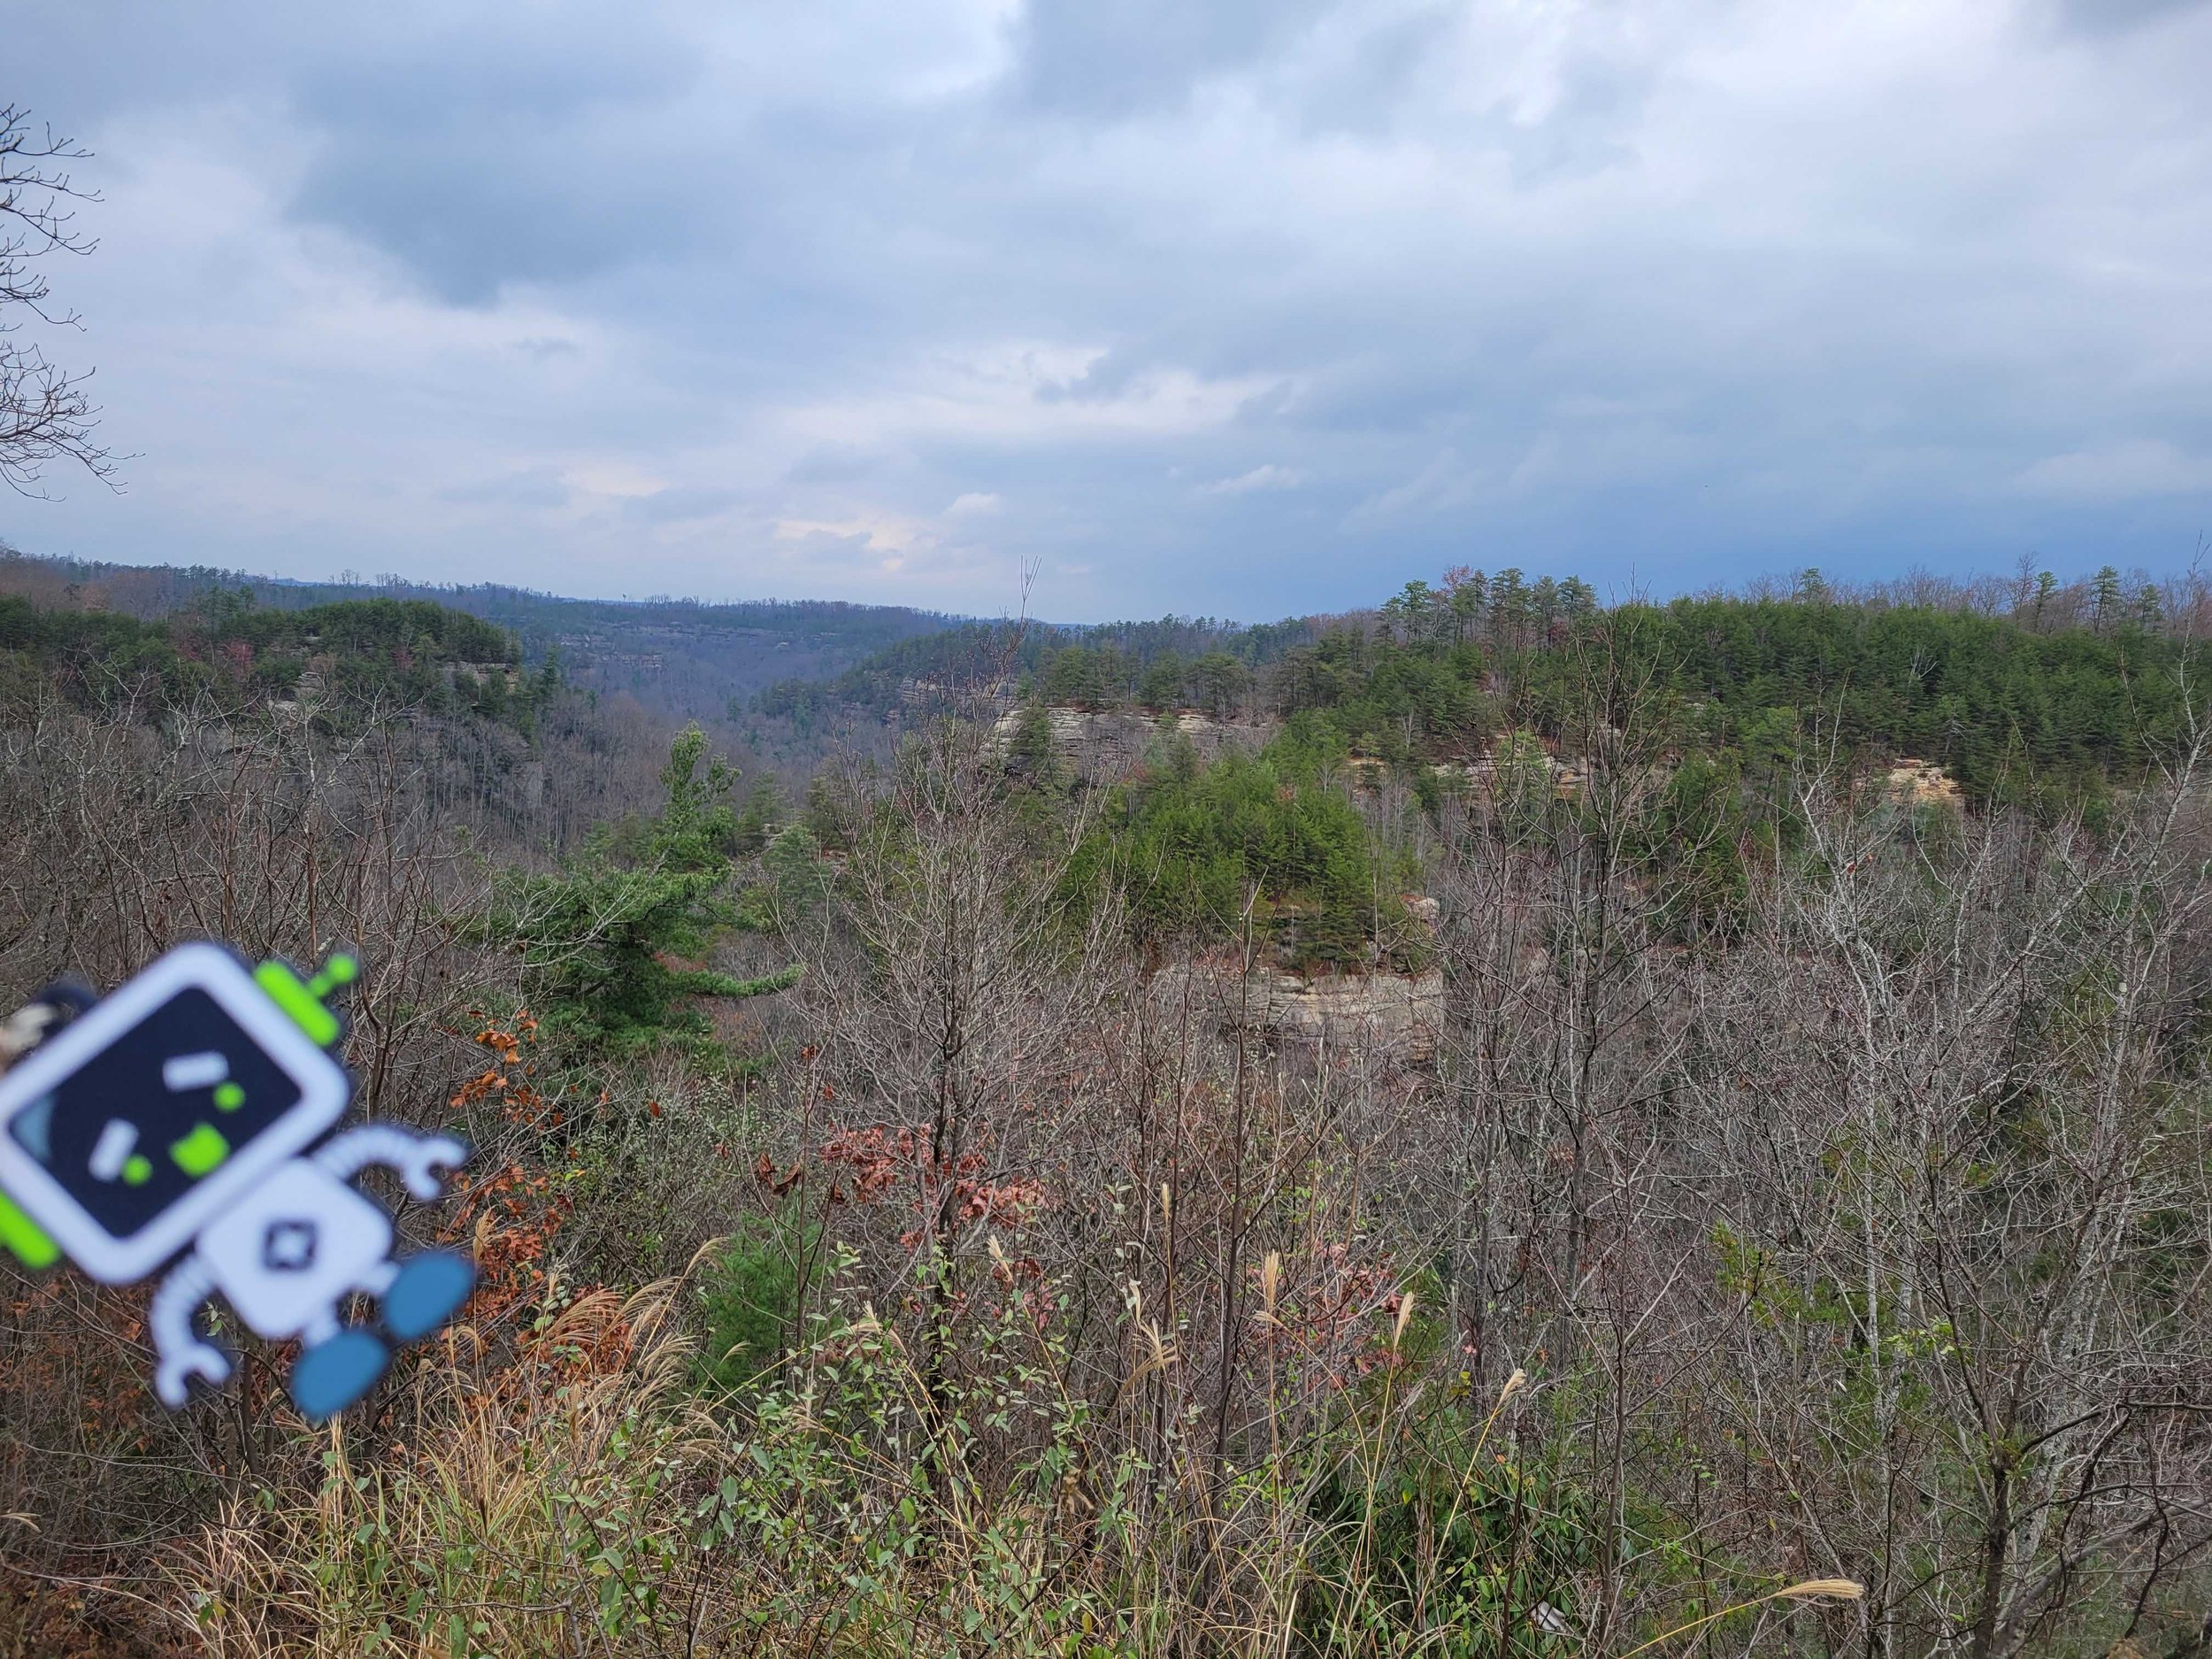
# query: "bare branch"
46,412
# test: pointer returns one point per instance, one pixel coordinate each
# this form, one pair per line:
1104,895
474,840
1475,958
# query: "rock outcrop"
1101,746
1395,1014
1921,783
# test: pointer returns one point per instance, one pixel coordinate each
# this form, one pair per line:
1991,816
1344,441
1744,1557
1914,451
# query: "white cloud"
879,532
975,503
1266,476
1445,483
2121,472
1023,395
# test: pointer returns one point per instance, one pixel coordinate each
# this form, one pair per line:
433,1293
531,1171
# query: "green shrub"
605,939
749,1299
1192,846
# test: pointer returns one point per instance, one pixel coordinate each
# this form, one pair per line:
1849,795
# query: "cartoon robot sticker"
175,1118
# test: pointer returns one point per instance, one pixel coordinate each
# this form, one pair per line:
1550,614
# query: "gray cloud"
1233,306
532,486
680,505
833,465
478,157
1358,85
1084,58
2114,17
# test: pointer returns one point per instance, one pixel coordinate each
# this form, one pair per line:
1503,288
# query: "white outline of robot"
209,1213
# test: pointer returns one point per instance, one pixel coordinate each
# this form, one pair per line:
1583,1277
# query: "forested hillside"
408,653
2034,688
907,1223
2047,696
679,659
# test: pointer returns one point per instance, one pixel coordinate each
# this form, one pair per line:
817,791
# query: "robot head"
126,1132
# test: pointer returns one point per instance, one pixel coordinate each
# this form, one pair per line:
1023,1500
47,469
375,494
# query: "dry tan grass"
582,1500
500,1533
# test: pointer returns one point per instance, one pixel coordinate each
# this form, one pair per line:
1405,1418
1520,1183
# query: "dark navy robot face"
135,1125
162,1107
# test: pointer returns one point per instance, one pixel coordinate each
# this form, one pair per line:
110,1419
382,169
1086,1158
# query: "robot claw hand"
419,1159
174,1376
184,1353
426,1163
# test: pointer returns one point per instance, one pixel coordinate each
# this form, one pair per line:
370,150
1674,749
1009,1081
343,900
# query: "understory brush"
582,1499
1757,1244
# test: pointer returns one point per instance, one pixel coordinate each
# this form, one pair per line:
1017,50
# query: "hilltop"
683,659
2041,689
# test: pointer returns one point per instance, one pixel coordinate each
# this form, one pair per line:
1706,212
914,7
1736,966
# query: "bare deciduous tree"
46,412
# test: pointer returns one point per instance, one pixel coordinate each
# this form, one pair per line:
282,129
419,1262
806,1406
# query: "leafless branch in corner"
46,409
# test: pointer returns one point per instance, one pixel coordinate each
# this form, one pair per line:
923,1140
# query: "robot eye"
184,1071
115,1150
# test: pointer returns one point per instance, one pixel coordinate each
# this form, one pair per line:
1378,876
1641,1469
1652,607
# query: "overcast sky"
1232,306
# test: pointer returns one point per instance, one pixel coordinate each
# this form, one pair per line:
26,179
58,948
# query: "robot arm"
418,1158
184,1353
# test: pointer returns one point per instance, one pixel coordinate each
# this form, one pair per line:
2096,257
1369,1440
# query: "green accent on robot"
201,1150
25,1238
341,969
302,1000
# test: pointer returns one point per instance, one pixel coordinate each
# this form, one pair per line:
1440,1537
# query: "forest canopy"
227,649
1495,1125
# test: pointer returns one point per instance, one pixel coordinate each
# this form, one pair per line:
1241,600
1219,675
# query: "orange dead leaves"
1008,1203
876,1158
511,1219
764,1172
868,1163
507,1044
510,1215
508,1082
